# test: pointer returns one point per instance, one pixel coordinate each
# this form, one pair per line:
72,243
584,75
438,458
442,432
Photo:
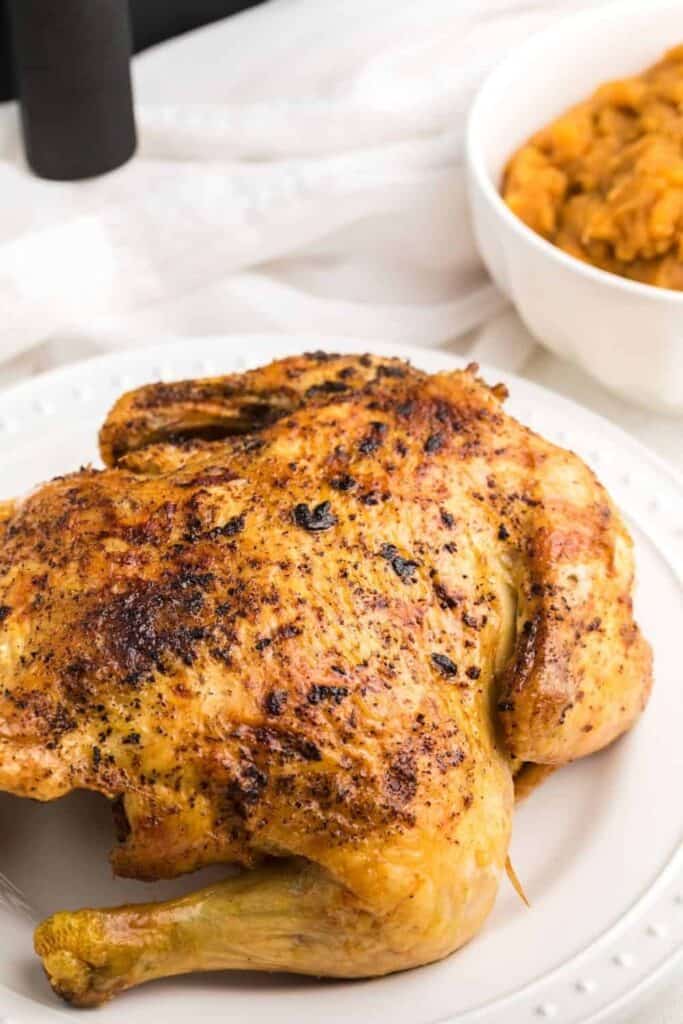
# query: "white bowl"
628,335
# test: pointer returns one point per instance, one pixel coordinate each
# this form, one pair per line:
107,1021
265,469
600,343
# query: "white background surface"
299,170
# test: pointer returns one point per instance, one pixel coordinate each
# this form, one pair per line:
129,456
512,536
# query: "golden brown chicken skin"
311,620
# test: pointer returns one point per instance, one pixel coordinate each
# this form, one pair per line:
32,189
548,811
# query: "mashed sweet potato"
604,182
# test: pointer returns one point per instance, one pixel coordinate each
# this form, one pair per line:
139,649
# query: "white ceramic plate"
598,847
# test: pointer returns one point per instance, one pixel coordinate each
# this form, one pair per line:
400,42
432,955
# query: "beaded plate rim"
645,945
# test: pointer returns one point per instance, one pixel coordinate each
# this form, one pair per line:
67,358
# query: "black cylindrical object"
73,69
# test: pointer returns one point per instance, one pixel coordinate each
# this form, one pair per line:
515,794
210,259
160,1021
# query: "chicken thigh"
311,620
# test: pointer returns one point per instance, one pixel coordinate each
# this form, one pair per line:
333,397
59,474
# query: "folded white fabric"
299,170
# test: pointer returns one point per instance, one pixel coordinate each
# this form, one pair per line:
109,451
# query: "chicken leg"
288,916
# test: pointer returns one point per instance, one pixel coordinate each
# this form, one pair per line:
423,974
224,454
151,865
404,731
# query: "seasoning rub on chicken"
312,620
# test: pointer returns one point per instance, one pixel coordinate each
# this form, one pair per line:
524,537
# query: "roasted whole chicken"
317,620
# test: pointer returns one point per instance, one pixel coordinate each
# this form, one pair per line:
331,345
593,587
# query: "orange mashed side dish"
604,182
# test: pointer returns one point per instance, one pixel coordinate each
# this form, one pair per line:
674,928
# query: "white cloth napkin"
299,170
